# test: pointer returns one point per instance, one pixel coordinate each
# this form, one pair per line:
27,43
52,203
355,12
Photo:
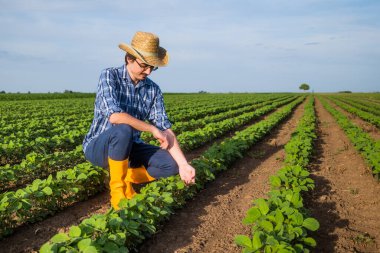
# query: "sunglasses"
145,66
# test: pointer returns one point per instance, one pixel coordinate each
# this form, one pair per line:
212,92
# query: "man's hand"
187,173
161,137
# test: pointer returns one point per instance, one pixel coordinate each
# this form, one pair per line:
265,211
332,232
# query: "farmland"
300,170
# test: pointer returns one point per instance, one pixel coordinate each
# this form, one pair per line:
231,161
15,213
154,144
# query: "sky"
214,46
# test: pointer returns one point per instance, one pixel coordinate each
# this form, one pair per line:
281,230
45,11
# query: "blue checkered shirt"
116,93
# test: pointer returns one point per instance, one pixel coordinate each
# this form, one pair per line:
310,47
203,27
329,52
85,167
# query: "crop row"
12,152
44,197
371,118
361,104
118,231
16,111
38,165
198,123
368,148
190,113
193,124
193,139
281,223
179,104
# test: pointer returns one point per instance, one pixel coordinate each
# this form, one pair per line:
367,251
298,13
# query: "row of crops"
42,168
366,108
281,223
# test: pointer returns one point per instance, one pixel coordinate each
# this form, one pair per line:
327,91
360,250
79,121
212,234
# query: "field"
279,172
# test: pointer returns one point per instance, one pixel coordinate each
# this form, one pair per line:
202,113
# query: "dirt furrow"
346,198
371,129
209,222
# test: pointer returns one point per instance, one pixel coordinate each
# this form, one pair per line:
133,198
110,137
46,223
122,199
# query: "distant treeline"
41,96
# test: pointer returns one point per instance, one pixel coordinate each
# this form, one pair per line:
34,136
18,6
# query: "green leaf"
82,176
75,231
256,241
90,249
263,206
48,248
100,224
310,241
180,185
110,247
279,217
271,241
284,251
266,225
61,237
115,222
84,243
275,181
252,215
118,238
47,190
311,224
243,240
297,218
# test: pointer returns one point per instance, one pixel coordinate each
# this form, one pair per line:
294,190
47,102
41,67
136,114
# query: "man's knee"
122,133
164,166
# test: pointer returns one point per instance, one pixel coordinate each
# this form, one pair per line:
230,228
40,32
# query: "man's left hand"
187,173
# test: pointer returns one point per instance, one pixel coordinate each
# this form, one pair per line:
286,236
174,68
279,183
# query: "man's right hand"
161,137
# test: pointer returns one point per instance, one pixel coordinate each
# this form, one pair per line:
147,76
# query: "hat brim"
159,60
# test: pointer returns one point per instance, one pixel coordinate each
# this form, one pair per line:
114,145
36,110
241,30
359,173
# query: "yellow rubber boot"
136,176
118,172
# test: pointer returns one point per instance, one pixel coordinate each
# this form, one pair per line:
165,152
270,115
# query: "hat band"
144,53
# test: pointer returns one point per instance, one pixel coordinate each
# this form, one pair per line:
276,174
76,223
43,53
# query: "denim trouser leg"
117,143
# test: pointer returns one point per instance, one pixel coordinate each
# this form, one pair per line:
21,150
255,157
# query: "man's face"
139,70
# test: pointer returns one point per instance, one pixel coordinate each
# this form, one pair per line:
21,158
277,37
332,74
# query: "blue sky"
216,46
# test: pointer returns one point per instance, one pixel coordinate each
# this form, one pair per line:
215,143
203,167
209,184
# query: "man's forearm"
125,118
175,149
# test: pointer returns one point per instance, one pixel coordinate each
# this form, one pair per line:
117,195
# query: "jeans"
117,144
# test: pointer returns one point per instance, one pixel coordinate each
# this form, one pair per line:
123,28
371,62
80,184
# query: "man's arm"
186,171
125,118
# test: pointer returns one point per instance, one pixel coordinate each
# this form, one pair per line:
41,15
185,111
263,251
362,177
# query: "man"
125,100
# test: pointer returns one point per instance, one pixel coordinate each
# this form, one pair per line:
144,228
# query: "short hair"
131,57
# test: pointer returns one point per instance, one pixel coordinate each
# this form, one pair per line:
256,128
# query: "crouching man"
126,98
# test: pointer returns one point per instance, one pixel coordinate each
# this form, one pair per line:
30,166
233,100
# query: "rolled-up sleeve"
158,114
109,93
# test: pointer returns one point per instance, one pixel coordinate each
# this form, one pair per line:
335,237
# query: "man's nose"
148,71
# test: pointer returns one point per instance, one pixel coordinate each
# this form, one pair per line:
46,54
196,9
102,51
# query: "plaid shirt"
116,93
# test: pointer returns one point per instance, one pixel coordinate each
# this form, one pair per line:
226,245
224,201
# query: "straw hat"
146,47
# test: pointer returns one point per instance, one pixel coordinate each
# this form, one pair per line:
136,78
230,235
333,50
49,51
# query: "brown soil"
372,130
29,238
346,199
210,221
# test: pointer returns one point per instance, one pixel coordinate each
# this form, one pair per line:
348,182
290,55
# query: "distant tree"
68,91
3,92
304,87
202,91
345,91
